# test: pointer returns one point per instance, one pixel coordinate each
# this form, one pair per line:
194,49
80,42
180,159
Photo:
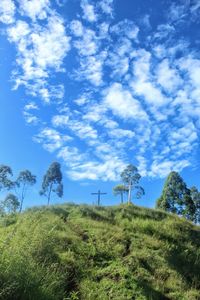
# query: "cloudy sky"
100,84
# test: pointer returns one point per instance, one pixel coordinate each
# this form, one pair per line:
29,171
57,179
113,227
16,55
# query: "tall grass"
82,252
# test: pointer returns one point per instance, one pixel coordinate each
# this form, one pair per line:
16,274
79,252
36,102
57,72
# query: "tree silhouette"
24,180
131,178
52,182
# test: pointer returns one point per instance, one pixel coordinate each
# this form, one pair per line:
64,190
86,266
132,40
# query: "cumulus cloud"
88,11
7,11
167,77
122,104
34,8
106,6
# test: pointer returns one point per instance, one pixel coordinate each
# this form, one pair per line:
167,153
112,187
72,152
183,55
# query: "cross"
99,196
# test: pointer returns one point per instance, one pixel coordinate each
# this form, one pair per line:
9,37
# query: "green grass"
72,252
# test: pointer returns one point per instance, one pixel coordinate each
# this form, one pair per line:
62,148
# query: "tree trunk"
21,204
129,192
122,200
49,195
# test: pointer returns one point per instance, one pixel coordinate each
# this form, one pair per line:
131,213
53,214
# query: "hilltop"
83,252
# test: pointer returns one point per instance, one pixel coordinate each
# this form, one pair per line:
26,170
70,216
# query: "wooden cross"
99,196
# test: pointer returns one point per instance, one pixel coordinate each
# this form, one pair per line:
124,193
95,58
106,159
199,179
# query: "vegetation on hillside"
82,252
177,198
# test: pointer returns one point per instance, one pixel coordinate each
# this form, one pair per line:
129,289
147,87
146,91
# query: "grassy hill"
82,252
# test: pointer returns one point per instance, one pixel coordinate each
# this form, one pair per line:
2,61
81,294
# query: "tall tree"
5,173
24,180
195,194
52,182
189,208
175,194
131,177
120,189
10,204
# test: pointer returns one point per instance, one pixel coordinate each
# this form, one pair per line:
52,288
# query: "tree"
52,182
120,189
5,182
131,178
175,194
24,180
10,204
195,195
189,208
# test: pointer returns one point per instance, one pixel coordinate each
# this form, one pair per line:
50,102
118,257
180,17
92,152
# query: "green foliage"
130,177
179,199
83,252
195,195
24,180
120,189
5,182
173,194
10,204
52,182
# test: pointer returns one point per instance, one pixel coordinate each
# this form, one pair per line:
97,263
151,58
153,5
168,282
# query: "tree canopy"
173,194
52,182
177,198
10,204
131,177
24,180
5,173
120,189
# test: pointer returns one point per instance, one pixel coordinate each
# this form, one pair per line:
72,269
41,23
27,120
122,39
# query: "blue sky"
96,85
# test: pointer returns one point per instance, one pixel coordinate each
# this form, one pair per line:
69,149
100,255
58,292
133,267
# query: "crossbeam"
99,193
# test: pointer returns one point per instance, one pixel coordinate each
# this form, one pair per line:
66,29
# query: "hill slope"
83,252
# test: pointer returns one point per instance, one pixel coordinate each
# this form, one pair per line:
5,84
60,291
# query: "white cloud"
30,118
163,31
119,133
83,99
108,170
31,106
17,32
34,8
163,168
192,67
83,130
51,139
60,120
106,6
88,11
91,68
50,45
40,50
95,112
88,45
167,77
71,156
141,64
152,94
7,11
143,84
77,28
122,104
126,28
135,92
